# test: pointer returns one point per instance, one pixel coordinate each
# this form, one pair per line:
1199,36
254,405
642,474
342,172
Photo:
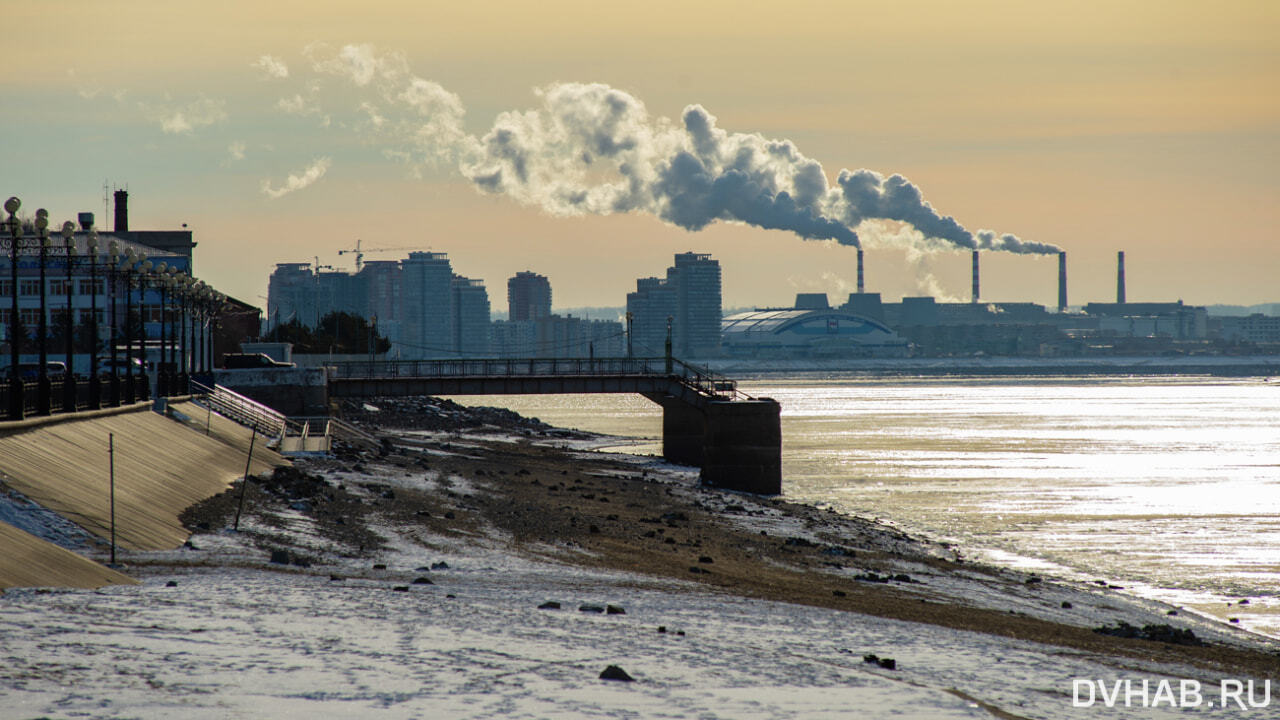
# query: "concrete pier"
738,444
742,446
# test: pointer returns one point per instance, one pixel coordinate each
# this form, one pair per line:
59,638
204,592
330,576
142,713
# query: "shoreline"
1262,366
422,578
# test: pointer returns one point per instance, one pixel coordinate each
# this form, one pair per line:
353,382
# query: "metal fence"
701,379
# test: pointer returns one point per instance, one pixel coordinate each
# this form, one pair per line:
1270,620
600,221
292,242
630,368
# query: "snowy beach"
423,582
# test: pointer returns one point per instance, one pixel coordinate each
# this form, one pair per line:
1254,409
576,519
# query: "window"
30,318
86,316
87,287
57,287
6,288
29,287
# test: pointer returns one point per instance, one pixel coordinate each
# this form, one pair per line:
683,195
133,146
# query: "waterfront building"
811,329
470,317
426,285
528,296
696,329
651,307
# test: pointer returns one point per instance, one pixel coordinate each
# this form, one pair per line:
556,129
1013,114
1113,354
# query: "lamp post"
162,377
68,325
188,356
131,262
16,406
44,391
630,353
668,348
95,383
113,277
146,272
176,283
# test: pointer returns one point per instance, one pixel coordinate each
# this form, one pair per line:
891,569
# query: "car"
251,361
120,367
30,372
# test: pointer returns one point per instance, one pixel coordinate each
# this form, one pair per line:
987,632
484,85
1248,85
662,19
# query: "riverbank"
420,582
1184,365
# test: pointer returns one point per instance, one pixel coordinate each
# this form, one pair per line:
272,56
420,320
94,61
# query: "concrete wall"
742,446
292,391
737,444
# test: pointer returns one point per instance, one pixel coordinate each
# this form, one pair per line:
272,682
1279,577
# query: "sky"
590,142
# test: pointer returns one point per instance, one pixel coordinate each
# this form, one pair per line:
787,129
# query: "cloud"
297,105
184,119
235,151
294,182
272,67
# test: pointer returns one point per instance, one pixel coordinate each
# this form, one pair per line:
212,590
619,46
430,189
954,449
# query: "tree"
341,333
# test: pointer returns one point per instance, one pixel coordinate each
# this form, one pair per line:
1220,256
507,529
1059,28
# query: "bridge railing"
699,378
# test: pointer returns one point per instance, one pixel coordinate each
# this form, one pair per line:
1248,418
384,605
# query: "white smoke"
298,181
588,148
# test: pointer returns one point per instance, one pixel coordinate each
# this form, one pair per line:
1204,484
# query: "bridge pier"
742,446
683,430
738,444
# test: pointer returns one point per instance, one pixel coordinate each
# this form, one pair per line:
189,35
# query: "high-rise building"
382,297
470,317
291,295
696,330
650,307
528,296
426,286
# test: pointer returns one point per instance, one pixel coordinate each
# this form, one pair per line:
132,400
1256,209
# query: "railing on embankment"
699,380
292,434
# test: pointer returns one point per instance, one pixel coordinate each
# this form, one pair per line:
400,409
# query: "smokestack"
1120,277
861,287
975,276
122,211
1062,282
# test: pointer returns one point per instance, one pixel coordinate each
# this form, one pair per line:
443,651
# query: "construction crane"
361,251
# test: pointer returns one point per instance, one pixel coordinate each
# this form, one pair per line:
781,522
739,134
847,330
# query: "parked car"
30,372
120,367
251,361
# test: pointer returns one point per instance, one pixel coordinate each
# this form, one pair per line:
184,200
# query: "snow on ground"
238,637
260,640
20,512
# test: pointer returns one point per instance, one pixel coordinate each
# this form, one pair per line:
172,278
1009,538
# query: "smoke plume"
588,148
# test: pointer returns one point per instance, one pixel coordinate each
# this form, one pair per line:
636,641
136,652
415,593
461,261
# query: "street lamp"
44,392
113,253
162,376
16,407
145,272
68,325
188,341
95,384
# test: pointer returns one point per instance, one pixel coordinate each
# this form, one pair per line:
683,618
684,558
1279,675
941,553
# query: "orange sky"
1150,127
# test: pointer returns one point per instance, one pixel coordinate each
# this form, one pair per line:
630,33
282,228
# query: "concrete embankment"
162,466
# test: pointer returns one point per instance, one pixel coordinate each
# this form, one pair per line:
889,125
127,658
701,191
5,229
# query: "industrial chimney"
861,288
1120,277
975,276
122,211
1062,282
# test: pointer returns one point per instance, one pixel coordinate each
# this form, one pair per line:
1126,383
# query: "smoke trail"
588,148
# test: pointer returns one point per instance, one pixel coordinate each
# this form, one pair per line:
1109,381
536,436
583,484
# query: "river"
1169,487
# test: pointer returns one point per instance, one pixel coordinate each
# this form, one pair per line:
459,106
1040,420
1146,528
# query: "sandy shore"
448,544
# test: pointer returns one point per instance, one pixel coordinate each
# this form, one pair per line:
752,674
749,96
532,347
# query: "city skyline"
1147,128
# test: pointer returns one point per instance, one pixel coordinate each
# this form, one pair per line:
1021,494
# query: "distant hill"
1242,310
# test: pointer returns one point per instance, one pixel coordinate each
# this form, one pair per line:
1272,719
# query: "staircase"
289,436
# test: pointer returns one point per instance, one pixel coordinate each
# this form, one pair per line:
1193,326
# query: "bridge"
707,422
